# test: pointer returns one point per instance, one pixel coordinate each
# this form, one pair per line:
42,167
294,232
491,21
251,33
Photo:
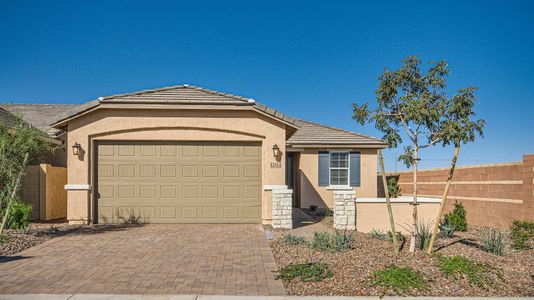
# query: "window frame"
338,168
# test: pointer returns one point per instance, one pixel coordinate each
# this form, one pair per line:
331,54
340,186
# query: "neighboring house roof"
40,115
305,132
7,118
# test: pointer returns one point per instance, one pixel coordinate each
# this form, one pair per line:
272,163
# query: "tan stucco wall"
371,216
169,125
312,194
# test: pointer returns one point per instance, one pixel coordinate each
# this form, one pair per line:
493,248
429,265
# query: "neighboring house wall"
313,194
43,186
493,195
170,125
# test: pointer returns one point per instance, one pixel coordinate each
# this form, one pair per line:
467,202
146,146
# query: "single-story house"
185,154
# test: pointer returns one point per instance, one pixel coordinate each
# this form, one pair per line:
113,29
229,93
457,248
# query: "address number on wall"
276,165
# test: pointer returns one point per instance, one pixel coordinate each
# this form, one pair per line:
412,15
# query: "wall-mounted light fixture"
76,149
276,150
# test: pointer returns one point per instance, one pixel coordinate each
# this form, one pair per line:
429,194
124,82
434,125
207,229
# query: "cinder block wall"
493,195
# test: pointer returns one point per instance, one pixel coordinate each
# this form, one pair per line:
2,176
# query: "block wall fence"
493,195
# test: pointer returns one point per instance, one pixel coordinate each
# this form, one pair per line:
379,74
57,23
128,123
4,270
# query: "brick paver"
204,259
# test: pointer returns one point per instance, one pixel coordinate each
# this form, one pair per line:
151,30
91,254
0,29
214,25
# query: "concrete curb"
225,297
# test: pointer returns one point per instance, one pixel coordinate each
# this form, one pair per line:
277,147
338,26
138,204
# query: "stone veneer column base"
282,208
344,210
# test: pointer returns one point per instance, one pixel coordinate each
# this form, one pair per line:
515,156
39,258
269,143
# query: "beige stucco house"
185,154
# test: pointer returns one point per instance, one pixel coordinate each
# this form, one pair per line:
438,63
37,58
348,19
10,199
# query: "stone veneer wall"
344,210
282,208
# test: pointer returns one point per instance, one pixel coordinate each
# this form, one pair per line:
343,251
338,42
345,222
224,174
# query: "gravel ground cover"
354,270
13,241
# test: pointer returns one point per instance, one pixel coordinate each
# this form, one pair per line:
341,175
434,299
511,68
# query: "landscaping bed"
458,268
16,240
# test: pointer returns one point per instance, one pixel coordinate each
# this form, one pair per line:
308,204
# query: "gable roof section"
310,133
179,94
305,132
40,115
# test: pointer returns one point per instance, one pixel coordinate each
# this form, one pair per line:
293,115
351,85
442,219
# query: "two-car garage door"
179,182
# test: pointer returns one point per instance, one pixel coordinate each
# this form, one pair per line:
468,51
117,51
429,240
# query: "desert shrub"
423,233
400,238
457,217
19,215
305,272
4,238
393,188
291,239
377,234
522,234
326,215
332,242
477,274
399,279
492,240
446,230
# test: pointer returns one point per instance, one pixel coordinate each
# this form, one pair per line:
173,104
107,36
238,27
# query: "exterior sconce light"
276,150
76,149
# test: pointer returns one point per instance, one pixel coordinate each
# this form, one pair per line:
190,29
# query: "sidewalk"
215,297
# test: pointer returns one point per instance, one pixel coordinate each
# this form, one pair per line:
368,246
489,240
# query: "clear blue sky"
308,59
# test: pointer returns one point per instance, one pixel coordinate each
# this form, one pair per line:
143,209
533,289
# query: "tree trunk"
388,203
443,199
414,202
14,192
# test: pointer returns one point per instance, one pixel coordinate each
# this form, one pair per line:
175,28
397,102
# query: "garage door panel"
180,182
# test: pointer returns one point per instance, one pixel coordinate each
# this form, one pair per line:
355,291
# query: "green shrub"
377,234
423,233
19,215
457,217
446,230
332,242
522,234
291,239
393,188
305,272
4,238
477,274
492,240
400,238
399,279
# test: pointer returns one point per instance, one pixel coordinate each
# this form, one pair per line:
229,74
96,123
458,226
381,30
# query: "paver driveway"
151,259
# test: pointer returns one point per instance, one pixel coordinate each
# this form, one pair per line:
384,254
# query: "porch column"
345,210
282,208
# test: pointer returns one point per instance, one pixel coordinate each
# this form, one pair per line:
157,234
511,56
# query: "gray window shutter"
324,166
355,169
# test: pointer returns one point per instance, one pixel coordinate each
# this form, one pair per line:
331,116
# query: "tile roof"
40,115
183,94
307,133
310,133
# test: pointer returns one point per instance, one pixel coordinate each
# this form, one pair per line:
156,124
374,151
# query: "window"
339,168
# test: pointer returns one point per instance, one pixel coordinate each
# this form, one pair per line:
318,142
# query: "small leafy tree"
457,128
19,144
413,107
